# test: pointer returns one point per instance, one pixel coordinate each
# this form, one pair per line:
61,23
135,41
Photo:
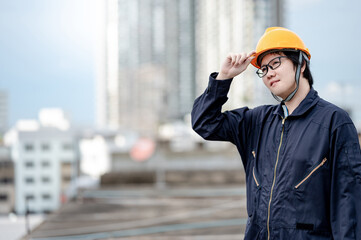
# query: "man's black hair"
293,56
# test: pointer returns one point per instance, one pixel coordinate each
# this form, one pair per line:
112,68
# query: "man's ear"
303,66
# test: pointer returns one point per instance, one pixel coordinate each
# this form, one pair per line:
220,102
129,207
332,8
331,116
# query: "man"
302,157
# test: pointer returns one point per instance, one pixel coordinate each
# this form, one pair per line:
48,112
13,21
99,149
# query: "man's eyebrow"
270,61
265,64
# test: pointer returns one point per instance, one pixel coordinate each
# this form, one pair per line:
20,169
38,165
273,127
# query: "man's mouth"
273,82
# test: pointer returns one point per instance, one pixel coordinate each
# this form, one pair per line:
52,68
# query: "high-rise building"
267,13
148,74
107,92
221,29
155,55
233,26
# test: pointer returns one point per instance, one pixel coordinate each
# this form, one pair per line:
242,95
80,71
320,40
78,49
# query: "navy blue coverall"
303,172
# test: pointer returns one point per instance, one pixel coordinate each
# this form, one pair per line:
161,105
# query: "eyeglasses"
273,64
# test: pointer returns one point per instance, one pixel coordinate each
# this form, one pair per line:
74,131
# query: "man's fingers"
229,58
249,60
249,57
242,58
238,56
251,53
233,57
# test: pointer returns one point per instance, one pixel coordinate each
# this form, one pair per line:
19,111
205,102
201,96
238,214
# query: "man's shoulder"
330,108
333,113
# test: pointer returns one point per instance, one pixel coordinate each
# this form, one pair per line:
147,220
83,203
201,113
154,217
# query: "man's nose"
271,73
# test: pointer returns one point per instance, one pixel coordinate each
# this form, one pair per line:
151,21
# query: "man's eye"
275,63
263,69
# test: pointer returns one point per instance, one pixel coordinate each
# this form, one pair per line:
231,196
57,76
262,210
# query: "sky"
46,57
331,31
47,53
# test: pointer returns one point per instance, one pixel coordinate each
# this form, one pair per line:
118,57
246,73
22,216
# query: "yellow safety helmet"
278,38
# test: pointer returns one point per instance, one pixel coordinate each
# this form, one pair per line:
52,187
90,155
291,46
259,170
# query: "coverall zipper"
255,179
254,176
274,178
318,166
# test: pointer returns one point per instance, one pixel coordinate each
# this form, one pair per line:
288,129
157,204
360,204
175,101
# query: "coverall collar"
310,100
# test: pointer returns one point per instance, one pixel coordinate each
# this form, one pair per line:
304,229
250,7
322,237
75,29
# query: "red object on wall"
142,150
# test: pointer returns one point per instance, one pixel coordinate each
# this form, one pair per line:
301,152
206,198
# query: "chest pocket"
311,197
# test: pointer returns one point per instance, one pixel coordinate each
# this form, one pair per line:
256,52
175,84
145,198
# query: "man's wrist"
222,76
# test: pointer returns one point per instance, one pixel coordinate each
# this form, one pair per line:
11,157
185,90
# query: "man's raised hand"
235,64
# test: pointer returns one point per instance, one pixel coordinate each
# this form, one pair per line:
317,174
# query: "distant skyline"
47,53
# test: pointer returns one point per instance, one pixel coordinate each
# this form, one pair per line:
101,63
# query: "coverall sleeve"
345,201
209,121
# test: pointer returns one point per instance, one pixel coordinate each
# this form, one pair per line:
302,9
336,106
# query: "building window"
66,162
66,165
29,180
47,211
29,147
29,164
67,146
46,196
6,164
46,179
45,163
45,147
3,197
29,197
6,180
66,178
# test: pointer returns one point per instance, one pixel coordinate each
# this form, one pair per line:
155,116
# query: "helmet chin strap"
297,78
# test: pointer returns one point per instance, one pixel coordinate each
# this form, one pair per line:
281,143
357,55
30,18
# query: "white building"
96,150
94,156
45,155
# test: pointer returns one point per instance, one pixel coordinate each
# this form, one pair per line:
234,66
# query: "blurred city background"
95,101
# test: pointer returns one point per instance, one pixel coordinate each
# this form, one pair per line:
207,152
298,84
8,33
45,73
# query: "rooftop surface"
147,213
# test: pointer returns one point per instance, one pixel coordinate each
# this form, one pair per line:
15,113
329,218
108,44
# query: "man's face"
281,79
